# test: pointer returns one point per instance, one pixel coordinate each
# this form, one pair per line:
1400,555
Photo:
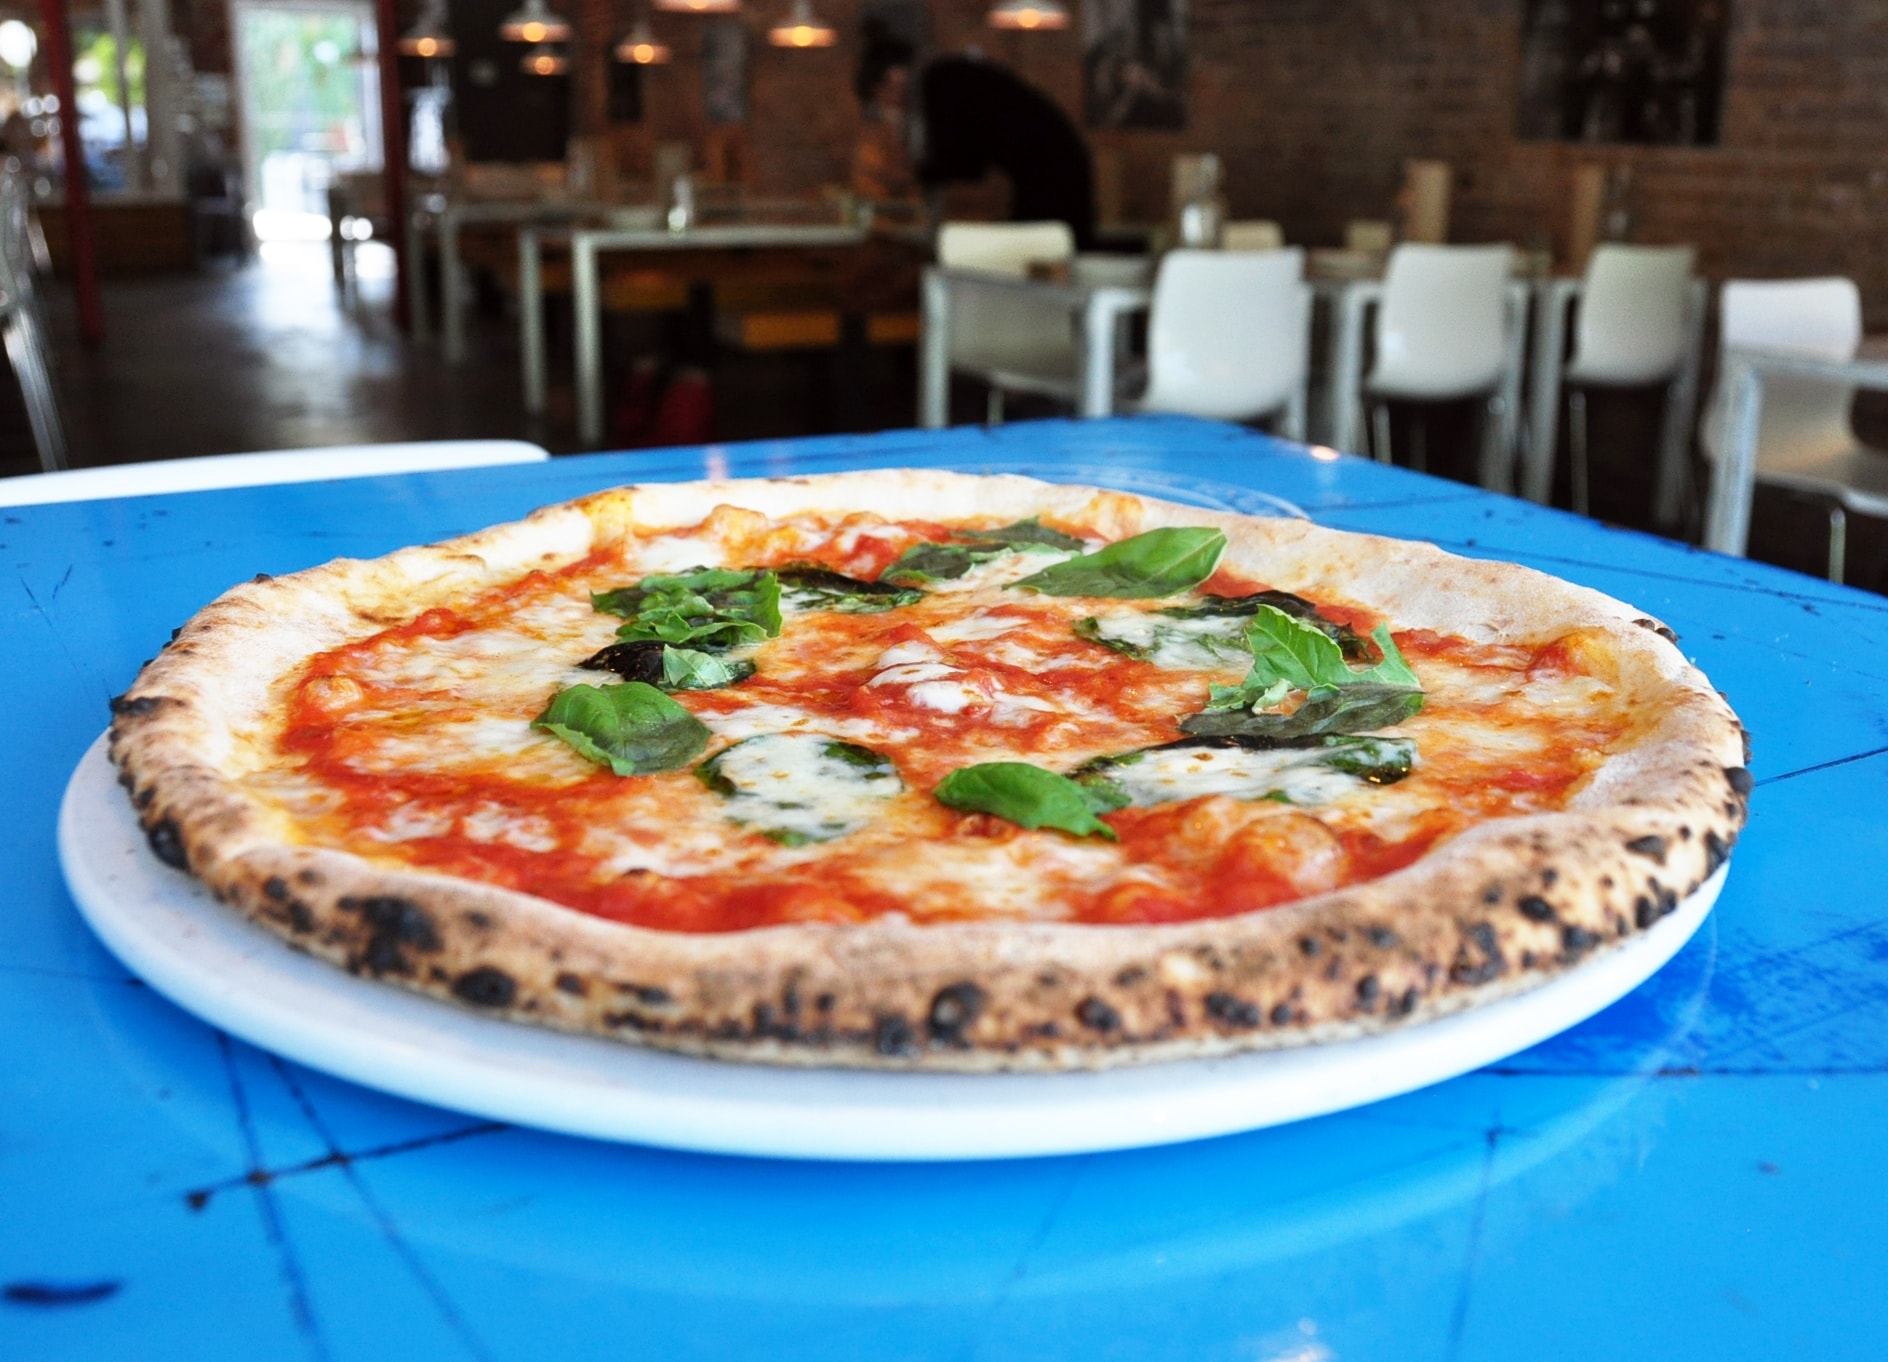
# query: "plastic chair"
1805,441
23,326
1638,326
1013,343
263,469
1253,234
1230,337
1449,326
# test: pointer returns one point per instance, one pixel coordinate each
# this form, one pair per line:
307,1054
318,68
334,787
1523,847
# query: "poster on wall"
1631,71
1135,63
724,71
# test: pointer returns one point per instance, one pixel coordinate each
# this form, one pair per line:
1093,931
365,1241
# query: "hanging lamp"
535,24
699,6
429,37
802,28
1031,15
544,60
640,48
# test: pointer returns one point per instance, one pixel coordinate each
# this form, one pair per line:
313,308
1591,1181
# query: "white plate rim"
214,963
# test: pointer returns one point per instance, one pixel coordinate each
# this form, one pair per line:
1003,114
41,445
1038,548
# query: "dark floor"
267,355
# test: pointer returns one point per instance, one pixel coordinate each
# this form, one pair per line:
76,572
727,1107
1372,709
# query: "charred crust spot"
1492,895
1651,846
1176,1008
790,1000
1046,1030
394,925
1048,979
486,986
136,707
1478,960
572,984
1382,938
300,919
167,844
275,889
1229,1010
893,1036
1548,876
1578,941
633,1020
1096,1015
953,1009
1281,1014
1529,959
1535,908
1645,911
1405,1004
648,994
1368,990
1310,945
481,921
142,798
1716,852
308,876
1335,968
1130,976
824,1003
1740,780
1662,630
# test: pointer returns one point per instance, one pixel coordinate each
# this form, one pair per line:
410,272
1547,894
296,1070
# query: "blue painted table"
1698,1171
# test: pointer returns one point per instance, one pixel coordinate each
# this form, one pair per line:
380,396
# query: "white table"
1733,480
1099,307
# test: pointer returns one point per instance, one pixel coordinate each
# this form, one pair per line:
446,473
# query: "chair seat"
1580,375
1045,379
1393,392
1855,475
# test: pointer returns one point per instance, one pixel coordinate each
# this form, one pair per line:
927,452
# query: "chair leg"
993,407
1419,444
1380,432
36,388
1576,450
1838,540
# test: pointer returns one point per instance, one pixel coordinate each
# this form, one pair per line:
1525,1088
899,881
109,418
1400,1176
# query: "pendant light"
699,6
1032,15
802,28
534,24
641,49
429,37
544,60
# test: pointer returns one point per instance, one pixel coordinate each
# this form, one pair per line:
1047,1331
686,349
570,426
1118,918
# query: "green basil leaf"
1229,608
932,563
946,562
1198,643
1302,771
1028,796
1023,535
816,588
1359,708
632,728
716,608
687,669
1158,563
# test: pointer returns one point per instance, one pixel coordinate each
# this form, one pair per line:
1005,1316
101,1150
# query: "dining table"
1696,1170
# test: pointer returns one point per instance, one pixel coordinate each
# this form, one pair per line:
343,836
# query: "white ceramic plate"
209,960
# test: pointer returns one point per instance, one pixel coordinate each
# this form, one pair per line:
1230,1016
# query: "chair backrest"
1820,318
1634,303
1442,330
990,331
257,470
1230,333
1252,234
1002,247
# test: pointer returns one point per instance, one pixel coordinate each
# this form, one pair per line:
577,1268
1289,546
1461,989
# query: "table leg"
587,304
531,318
1347,362
451,290
934,354
1550,342
1681,403
419,323
1096,359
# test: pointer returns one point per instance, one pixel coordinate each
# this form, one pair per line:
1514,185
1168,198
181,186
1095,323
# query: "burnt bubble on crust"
1096,1015
1664,631
955,1009
485,986
167,844
893,1036
395,926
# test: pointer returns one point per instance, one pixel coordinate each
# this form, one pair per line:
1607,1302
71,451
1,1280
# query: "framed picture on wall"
724,71
1623,71
1134,65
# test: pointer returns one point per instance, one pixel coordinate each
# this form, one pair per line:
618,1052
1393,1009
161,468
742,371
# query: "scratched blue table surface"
1700,1170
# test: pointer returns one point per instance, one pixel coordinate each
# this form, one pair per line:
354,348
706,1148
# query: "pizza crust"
1495,911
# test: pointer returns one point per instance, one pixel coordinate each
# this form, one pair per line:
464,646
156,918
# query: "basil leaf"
1200,643
633,728
671,668
1024,534
1360,708
945,562
1354,647
816,588
1159,563
932,563
1304,771
715,608
1028,796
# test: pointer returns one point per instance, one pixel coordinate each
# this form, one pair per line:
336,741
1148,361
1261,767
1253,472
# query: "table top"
1694,1172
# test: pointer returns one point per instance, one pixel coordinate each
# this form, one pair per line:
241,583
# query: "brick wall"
1315,104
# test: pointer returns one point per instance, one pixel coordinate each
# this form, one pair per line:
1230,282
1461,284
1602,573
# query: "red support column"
81,241
393,150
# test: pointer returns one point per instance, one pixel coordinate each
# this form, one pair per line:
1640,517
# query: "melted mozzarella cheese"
1301,776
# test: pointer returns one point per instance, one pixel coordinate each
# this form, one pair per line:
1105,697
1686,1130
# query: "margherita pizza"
920,770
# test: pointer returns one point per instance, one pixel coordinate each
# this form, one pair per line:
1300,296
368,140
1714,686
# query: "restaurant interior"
1623,257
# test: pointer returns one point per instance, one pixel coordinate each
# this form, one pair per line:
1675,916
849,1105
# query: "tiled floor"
269,356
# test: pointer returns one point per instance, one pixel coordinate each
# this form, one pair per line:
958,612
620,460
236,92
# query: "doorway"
308,108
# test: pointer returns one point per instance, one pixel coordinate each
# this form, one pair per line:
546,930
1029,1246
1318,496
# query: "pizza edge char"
1499,909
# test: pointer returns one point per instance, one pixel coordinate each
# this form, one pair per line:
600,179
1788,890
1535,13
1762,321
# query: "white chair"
1639,324
23,326
1449,326
1230,337
1252,234
1803,437
257,470
1012,342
